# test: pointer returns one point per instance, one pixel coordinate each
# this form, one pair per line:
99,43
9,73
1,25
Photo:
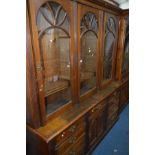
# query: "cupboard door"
97,124
92,131
113,108
51,22
125,65
88,48
110,44
101,123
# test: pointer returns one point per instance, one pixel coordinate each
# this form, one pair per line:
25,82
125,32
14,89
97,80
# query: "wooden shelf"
54,87
56,105
85,76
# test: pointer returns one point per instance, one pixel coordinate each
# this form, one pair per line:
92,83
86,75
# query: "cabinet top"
108,4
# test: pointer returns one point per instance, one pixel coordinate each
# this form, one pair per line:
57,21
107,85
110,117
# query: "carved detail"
39,67
111,26
55,10
89,23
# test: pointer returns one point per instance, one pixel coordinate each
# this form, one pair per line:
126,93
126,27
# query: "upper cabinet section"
51,31
88,48
74,50
110,42
125,65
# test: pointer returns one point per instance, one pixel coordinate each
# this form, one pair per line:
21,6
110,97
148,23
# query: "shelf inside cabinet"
54,87
50,108
86,76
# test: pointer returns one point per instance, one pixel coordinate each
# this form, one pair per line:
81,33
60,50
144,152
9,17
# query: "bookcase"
77,73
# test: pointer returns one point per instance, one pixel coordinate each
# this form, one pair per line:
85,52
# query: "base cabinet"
81,137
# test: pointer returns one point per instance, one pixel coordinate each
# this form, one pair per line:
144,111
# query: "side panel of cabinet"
120,47
32,107
124,98
35,145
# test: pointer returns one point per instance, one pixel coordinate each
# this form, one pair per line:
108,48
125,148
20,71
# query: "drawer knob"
93,110
63,134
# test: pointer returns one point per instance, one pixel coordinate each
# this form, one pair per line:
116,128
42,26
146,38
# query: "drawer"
78,148
75,129
72,145
97,109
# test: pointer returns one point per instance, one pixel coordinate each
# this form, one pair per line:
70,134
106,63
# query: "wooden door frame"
33,9
82,10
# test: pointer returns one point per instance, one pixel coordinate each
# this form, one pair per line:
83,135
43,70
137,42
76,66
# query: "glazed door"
51,26
88,49
110,35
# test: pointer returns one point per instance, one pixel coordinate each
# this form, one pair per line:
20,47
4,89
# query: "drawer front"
97,109
76,129
72,146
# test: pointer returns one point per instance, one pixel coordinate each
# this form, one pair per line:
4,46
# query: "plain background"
13,77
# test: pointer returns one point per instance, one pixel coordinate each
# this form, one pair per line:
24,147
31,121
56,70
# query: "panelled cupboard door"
51,26
108,53
96,124
88,49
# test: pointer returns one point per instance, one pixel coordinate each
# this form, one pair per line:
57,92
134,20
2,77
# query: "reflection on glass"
53,29
110,33
88,53
126,49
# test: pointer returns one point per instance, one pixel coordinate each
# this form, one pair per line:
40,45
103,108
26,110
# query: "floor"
116,141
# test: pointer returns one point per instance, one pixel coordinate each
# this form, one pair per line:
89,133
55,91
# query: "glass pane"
88,53
126,49
108,53
110,34
53,29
